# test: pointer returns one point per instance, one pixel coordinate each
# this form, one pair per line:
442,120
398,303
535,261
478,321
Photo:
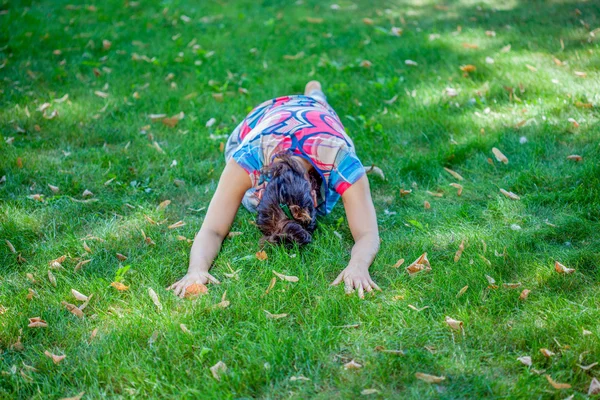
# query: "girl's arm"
233,184
363,225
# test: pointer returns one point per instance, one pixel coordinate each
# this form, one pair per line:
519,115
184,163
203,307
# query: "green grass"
96,139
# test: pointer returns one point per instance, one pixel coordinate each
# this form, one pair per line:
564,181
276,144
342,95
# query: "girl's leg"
313,89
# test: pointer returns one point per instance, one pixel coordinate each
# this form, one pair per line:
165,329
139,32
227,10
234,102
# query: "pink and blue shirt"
306,127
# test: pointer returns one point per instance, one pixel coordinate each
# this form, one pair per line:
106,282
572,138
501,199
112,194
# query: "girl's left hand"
356,278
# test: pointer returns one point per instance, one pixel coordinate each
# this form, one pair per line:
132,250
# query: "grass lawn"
392,70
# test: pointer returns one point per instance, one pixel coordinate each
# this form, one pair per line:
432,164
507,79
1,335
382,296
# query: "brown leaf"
546,352
54,357
98,93
561,269
526,360
531,68
398,263
55,189
457,186
580,74
404,192
155,299
294,57
261,255
119,286
468,68
510,195
454,324
121,257
499,156
78,397
271,285
176,225
594,387
429,378
574,157
106,44
584,105
460,250
218,369
274,316
426,205
511,285
352,365
392,100
10,246
80,264
557,385
417,309
286,277
174,120
73,309
366,64
587,367
420,264
194,290
86,247
312,20
79,296
455,174
185,329
87,193
524,294
462,291
51,278
163,205
37,322
368,21
375,171
233,234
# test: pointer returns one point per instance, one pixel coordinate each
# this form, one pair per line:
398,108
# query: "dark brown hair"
288,186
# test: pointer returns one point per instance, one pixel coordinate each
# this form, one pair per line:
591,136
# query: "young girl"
290,160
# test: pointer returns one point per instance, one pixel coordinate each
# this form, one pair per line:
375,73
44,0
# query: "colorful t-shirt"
306,127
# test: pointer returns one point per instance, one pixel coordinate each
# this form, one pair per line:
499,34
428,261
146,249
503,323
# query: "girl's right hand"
190,278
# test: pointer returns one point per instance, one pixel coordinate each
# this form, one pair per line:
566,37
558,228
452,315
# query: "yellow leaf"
286,277
557,385
274,316
119,286
455,174
261,255
398,263
460,250
468,68
499,156
429,378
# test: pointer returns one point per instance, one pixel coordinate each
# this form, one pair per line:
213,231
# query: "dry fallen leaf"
352,365
457,186
499,156
174,120
163,205
455,174
454,324
561,269
55,189
429,378
195,289
78,397
73,309
426,205
10,246
511,285
404,192
87,193
368,21
121,257
366,64
531,68
79,296
185,329
524,294
155,299
398,263
299,378
176,225
98,93
587,367
286,277
574,157
470,46
218,369
366,392
510,195
392,100
557,385
594,387
37,322
80,264
462,291
271,285
525,360
261,255
468,68
274,316
546,352
119,286
417,309
420,264
54,357
460,250
376,171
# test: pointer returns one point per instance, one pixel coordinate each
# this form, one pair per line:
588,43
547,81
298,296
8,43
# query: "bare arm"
363,225
233,184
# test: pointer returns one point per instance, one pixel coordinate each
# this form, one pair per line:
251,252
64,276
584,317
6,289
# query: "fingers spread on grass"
348,285
374,285
338,279
361,291
212,279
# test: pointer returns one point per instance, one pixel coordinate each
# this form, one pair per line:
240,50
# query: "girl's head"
287,212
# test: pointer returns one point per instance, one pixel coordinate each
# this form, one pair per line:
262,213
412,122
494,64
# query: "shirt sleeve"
248,157
347,169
